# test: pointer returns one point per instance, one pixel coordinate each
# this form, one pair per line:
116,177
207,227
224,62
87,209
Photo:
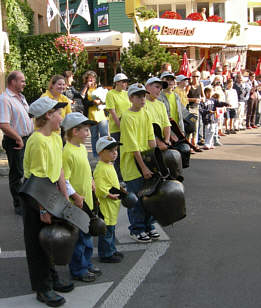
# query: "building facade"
203,40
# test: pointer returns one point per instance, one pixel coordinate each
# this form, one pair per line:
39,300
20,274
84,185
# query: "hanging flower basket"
215,18
69,45
195,16
171,15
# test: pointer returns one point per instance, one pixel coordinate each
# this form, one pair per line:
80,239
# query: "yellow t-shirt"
77,171
183,96
94,113
173,106
105,178
119,101
61,99
136,131
158,114
43,156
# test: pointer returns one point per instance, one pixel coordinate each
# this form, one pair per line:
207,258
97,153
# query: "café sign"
164,30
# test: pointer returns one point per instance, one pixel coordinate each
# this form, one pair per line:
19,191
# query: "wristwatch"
42,212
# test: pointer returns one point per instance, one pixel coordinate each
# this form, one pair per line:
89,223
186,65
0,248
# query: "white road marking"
81,297
127,287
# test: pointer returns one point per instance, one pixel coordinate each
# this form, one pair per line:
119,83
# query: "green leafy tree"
144,59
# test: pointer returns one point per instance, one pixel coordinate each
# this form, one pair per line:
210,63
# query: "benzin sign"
164,30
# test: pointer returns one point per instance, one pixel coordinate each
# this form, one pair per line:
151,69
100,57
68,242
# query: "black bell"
167,203
172,160
58,241
97,226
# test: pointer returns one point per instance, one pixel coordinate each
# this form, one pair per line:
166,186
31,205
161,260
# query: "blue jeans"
97,131
81,259
140,220
117,137
106,243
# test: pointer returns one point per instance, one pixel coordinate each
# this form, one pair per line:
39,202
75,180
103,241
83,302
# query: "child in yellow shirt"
78,176
105,178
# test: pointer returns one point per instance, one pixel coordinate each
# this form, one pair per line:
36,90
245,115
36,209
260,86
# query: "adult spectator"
252,102
195,96
93,110
242,93
226,73
17,127
70,92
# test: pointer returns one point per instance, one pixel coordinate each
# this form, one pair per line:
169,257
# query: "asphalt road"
211,259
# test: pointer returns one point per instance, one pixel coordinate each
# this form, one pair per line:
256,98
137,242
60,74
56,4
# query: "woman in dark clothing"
72,93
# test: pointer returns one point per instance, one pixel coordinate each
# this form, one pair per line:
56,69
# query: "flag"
184,68
52,11
238,65
83,11
258,68
215,64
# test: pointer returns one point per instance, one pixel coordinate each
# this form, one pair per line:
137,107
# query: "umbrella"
215,64
184,68
258,68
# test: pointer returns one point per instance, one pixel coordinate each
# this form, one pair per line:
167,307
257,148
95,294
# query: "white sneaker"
154,235
141,238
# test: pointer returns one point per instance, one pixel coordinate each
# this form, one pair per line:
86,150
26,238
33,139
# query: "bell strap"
46,193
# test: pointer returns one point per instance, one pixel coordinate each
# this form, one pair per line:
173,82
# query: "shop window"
40,24
181,9
202,5
163,8
257,13
219,9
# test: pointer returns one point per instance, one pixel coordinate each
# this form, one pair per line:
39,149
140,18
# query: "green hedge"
41,60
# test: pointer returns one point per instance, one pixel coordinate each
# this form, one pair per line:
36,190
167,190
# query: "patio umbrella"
184,68
215,64
258,68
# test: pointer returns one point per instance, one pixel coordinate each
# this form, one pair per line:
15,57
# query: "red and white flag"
184,68
215,64
258,68
84,12
238,65
52,11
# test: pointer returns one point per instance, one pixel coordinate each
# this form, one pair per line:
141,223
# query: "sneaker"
253,126
141,238
89,277
154,235
111,259
249,127
233,132
95,270
217,144
119,254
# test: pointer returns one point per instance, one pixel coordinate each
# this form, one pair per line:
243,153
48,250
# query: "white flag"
52,11
83,10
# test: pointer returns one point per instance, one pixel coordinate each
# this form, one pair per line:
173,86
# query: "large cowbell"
172,160
153,159
58,241
167,203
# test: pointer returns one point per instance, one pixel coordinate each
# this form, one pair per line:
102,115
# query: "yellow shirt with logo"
183,96
136,131
105,178
119,101
94,113
61,99
77,171
158,114
174,114
43,156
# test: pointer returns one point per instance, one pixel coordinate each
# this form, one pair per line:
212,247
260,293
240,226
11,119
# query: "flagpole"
68,18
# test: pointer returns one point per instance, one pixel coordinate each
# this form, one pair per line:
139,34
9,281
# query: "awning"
254,3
